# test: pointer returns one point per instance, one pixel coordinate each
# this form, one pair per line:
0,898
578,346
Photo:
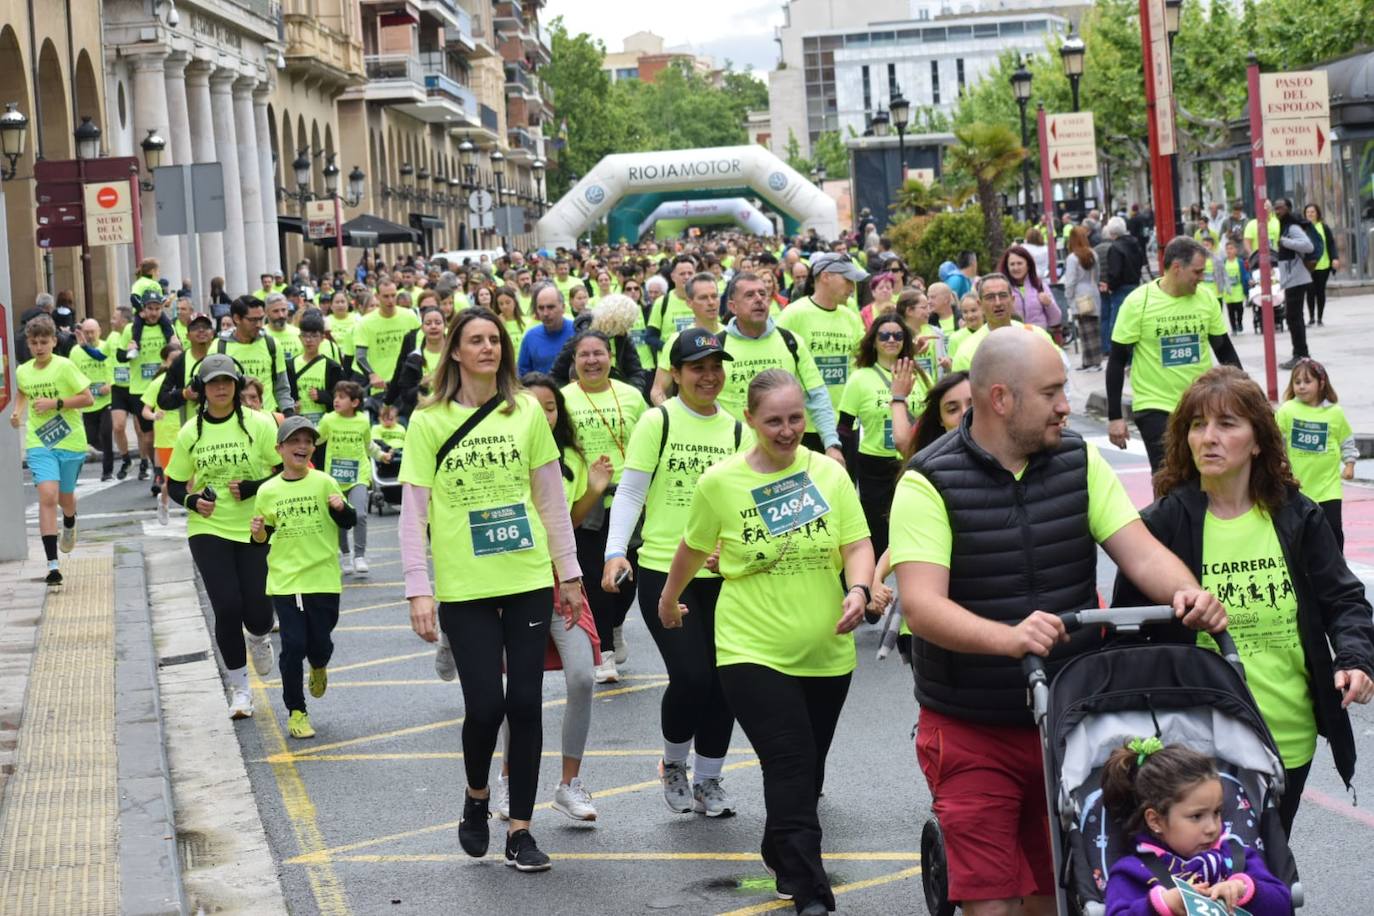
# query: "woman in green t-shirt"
492,501
785,522
1230,508
508,307
1328,262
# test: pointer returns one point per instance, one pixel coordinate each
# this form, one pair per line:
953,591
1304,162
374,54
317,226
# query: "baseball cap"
152,295
694,344
292,425
837,262
218,365
201,319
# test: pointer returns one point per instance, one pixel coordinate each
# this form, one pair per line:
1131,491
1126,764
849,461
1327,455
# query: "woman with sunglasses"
632,286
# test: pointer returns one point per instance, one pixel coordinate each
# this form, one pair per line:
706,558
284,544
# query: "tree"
989,154
582,91
829,150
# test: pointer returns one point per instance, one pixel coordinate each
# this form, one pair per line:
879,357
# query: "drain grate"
189,657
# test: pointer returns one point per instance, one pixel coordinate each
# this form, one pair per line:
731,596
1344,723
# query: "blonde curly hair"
615,315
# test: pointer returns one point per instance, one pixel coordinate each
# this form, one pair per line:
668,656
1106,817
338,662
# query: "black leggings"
694,706
1152,425
1293,782
100,434
1332,510
608,609
479,631
1237,312
1297,329
306,626
877,483
790,721
235,577
1316,294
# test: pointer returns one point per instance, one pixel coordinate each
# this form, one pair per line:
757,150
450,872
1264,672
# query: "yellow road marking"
329,894
373,607
650,857
458,755
842,889
446,723
370,663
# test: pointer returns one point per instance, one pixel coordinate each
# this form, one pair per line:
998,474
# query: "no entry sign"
109,217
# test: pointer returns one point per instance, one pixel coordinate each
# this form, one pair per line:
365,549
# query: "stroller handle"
1124,620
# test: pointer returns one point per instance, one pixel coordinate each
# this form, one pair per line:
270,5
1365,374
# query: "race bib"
834,369
637,336
1196,903
888,441
682,323
149,371
53,431
97,389
1180,350
502,530
927,364
121,375
1308,436
344,470
788,504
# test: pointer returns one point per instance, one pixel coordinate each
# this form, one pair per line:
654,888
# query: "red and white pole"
1271,376
1157,64
1046,189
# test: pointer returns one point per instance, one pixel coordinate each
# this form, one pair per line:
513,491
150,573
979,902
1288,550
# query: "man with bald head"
994,532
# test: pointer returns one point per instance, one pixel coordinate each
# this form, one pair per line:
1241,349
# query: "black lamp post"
900,111
537,167
1071,54
1021,88
498,171
357,181
14,135
153,146
87,136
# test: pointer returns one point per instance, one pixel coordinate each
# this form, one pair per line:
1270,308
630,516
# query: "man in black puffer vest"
995,528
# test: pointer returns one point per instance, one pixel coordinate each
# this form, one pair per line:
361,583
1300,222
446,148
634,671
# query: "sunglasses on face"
892,335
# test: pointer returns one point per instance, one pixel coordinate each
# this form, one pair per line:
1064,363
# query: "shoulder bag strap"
462,431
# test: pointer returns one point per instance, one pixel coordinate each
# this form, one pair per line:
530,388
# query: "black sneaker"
54,577
523,855
143,470
1289,365
105,477
124,467
473,833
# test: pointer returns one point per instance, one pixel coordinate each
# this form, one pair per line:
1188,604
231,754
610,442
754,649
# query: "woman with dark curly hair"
1228,506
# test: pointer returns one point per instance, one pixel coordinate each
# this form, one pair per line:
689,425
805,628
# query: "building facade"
643,56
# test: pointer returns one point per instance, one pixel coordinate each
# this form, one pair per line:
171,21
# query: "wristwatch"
868,593
60,403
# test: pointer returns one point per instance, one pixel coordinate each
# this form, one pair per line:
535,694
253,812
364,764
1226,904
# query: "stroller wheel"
934,877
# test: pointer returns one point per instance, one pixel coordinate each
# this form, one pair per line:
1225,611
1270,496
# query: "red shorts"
988,785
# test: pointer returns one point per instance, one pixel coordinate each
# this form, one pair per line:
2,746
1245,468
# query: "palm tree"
989,154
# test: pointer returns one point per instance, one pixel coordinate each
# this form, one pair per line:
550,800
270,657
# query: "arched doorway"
19,202
55,135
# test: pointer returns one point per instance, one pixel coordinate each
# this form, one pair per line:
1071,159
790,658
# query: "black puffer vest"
1018,546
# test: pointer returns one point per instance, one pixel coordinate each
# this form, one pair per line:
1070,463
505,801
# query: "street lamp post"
87,136
900,110
153,146
498,169
1071,53
538,169
14,134
1021,88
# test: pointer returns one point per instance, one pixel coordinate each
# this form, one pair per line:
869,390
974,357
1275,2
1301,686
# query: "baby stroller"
386,486
1180,692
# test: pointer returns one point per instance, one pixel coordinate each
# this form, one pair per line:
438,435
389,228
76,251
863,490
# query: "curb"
149,866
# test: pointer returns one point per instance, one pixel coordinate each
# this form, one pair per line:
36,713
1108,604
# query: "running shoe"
574,800
260,648
500,796
709,798
299,726
240,704
772,872
346,563
124,467
54,576
622,651
814,908
163,516
105,477
605,673
445,665
143,469
319,681
522,854
360,566
677,787
474,835
67,539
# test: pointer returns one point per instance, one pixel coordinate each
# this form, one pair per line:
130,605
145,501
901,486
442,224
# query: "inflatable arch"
753,167
737,209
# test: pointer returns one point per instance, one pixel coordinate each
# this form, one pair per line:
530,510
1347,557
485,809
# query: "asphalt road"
363,817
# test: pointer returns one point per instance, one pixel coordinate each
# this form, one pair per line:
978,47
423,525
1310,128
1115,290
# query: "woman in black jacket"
1229,507
1329,261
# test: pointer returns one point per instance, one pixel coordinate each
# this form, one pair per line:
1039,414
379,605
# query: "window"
985,30
959,73
1013,28
935,82
891,78
868,89
960,33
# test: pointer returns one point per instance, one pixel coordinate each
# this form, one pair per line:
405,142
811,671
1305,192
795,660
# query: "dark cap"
201,319
150,296
693,344
218,365
292,425
839,263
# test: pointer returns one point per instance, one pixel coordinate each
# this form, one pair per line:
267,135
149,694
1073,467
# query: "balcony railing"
519,138
393,68
517,77
464,33
441,85
507,14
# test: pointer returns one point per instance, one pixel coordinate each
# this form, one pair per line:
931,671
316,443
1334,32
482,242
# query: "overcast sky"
737,30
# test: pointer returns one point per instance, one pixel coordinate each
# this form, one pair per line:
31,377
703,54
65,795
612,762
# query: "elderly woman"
1229,507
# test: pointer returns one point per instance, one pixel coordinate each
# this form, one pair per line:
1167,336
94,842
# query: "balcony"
520,81
448,12
507,15
536,43
419,88
460,36
521,139
317,52
484,131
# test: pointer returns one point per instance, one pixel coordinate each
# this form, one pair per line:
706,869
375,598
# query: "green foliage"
925,242
829,150
988,155
583,94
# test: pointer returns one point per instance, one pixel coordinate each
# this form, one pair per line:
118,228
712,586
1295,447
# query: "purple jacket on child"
1133,889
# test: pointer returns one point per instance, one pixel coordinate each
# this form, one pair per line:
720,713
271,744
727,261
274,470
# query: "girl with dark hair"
416,370
1228,506
1031,298
942,410
498,525
1170,798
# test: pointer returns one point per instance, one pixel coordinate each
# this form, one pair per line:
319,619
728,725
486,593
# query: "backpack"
1318,245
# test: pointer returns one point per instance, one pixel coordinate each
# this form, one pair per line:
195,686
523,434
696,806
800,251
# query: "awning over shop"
364,231
424,221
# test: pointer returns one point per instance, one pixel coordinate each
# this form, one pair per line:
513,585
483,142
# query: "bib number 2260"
788,504
505,529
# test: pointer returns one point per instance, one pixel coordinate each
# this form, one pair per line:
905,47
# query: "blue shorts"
59,464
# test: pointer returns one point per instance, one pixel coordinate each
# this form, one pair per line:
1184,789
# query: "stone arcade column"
202,130
178,152
246,134
226,151
150,113
271,247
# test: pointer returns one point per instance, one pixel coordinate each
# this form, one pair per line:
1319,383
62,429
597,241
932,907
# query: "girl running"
1170,798
52,392
166,425
671,447
346,434
481,464
1321,444
228,450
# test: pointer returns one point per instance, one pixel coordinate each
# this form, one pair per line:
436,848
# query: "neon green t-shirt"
1234,291
55,429
637,332
920,522
394,435
383,338
1243,565
346,441
257,362
751,355
302,558
1323,262
310,375
868,396
164,430
929,360
675,316
486,536
515,331
1314,436
1171,336
1251,233
576,486
780,539
954,340
219,452
832,336
288,341
98,371
970,344
143,285
342,330
148,364
119,371
604,420
694,444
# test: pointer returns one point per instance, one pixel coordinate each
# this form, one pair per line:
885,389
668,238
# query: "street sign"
480,201
59,215
59,237
175,213
319,219
1296,111
1072,145
48,192
109,214
1296,142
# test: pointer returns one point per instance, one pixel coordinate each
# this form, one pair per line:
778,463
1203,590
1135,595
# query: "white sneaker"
709,798
67,539
574,801
444,663
500,797
346,563
622,651
240,704
360,566
605,672
163,517
260,649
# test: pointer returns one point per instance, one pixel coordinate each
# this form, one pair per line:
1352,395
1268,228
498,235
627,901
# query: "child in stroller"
389,436
1171,798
